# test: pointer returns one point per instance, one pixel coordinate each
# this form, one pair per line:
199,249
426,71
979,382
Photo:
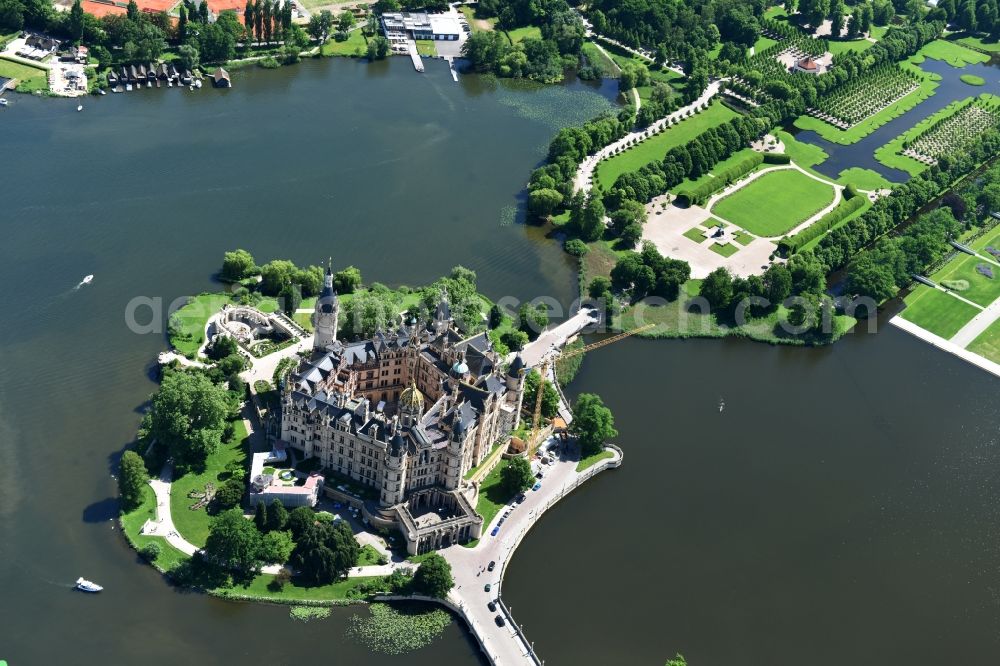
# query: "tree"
717,288
347,281
75,23
593,424
222,347
299,520
550,399
150,551
187,417
433,578
132,480
230,494
378,47
777,284
325,553
319,25
516,477
345,21
592,219
11,15
277,517
233,541
290,297
215,43
532,319
188,56
514,340
600,287
543,201
237,264
276,547
260,516
868,277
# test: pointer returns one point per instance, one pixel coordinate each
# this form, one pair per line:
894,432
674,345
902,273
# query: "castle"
407,413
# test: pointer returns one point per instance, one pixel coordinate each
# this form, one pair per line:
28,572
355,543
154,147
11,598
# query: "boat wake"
84,282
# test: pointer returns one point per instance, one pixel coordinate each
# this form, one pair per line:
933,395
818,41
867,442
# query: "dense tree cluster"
648,273
540,59
972,15
593,424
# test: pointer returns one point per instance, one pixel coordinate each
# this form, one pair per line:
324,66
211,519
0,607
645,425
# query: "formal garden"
936,311
775,203
866,95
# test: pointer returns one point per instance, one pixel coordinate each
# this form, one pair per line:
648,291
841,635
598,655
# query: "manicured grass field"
864,179
426,47
192,319
132,523
520,34
775,203
492,497
742,237
988,343
590,461
937,312
193,525
973,80
804,154
726,250
952,53
354,46
696,234
763,43
982,290
656,147
842,46
984,43
29,79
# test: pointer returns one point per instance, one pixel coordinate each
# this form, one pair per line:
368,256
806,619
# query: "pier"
411,48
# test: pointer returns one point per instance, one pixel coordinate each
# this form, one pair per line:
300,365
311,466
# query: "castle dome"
411,398
460,368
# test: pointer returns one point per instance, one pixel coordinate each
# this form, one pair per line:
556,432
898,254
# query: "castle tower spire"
327,313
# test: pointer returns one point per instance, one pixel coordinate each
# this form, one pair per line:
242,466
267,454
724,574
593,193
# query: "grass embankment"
952,53
355,46
673,320
29,79
984,43
987,344
590,461
605,65
838,46
193,524
656,147
891,153
131,524
865,179
936,311
788,196
261,589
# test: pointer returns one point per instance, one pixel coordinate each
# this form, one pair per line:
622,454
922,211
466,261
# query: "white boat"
102,91
87,280
128,87
79,107
3,102
197,83
85,585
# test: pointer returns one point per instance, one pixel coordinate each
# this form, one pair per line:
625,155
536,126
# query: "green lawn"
804,154
988,343
986,240
763,43
742,237
982,290
193,525
952,53
190,334
369,556
492,496
258,588
775,203
864,179
304,319
984,43
29,79
477,24
726,250
590,461
354,46
937,312
426,47
842,46
607,67
132,523
656,147
697,234
520,34
972,80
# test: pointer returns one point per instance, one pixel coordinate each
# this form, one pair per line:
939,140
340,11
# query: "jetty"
411,48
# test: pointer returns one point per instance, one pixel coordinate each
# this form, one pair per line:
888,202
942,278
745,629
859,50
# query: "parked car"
487,587
496,530
521,498
537,486
499,620
492,565
492,606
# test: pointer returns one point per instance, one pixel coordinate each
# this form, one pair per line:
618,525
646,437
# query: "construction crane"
537,417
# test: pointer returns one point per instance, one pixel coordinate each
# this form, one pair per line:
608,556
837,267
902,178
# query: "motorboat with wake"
85,585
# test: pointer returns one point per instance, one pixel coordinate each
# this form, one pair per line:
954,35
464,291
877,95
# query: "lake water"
844,503
862,154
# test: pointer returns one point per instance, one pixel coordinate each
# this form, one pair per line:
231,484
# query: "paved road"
469,565
553,339
977,325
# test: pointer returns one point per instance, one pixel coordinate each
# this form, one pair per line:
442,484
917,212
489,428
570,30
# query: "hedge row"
789,246
698,194
777,158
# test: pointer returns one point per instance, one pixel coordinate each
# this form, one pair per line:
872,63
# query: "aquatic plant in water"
392,631
307,613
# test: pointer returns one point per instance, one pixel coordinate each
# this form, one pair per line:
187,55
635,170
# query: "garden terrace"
865,96
954,131
775,203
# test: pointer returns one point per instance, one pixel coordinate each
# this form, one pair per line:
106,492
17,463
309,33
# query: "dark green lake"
842,507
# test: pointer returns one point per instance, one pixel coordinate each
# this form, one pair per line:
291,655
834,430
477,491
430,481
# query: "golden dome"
411,398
